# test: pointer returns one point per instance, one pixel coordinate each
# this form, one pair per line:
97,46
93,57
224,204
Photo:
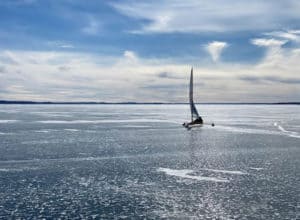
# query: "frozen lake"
137,161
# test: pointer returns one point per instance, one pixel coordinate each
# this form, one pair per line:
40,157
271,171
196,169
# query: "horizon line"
143,103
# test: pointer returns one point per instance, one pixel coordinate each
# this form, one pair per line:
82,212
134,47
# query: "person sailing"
198,120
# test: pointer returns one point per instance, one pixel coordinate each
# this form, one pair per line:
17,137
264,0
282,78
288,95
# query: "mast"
191,94
194,112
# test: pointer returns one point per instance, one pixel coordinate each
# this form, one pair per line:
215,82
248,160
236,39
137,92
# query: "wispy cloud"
269,79
60,44
93,26
8,58
215,49
263,42
278,58
66,46
292,35
215,16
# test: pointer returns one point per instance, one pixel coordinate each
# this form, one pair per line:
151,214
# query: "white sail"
194,112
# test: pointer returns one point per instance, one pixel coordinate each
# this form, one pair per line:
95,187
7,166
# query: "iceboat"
196,119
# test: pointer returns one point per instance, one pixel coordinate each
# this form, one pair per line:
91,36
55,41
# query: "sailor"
198,120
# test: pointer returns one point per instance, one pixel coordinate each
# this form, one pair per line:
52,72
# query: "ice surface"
138,162
103,121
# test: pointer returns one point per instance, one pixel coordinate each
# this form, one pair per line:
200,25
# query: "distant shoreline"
144,103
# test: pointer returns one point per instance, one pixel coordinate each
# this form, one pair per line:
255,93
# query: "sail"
194,112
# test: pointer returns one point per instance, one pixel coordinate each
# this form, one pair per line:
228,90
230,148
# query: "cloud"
64,68
263,42
8,58
60,44
290,35
129,58
165,16
277,56
215,49
66,46
168,75
2,69
167,87
130,77
267,79
130,55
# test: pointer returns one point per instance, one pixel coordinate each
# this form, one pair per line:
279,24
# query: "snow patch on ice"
42,131
256,168
17,169
234,172
71,129
8,121
186,173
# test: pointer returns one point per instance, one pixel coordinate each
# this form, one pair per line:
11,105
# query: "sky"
137,50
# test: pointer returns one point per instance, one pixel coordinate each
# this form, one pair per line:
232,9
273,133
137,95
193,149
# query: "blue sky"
130,50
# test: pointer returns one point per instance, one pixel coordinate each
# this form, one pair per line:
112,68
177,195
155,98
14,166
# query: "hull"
195,125
190,126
